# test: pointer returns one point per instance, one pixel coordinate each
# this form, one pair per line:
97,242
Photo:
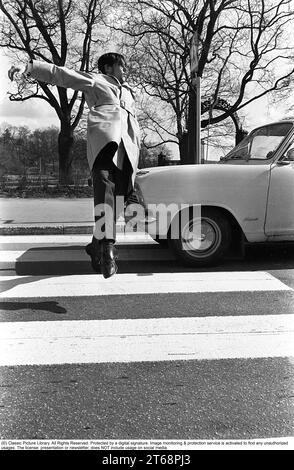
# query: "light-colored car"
247,197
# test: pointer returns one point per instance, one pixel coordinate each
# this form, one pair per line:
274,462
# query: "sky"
35,113
32,113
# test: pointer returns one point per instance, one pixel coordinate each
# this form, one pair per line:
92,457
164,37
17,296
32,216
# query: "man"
113,142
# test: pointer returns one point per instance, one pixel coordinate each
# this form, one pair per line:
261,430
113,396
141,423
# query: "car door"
280,206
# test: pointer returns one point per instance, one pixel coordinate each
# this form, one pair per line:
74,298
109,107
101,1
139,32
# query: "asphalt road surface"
159,351
42,210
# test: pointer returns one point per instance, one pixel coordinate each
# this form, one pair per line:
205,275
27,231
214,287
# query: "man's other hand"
12,71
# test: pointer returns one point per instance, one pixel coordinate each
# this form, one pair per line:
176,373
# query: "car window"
261,143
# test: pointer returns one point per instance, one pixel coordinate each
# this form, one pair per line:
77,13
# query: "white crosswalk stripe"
58,248
126,284
138,340
59,240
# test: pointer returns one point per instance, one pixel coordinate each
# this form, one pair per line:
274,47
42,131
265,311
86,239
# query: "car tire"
214,243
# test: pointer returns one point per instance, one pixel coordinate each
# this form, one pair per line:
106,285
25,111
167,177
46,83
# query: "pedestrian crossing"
152,339
158,351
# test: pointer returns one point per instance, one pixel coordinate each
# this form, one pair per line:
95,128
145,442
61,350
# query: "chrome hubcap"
201,236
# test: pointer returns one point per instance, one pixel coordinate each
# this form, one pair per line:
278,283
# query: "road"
42,210
159,351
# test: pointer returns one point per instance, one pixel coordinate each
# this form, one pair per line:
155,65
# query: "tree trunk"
65,148
240,134
183,147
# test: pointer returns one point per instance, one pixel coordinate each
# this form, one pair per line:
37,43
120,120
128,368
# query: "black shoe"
108,257
94,253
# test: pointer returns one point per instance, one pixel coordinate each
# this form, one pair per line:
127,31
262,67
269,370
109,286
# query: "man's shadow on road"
11,305
50,306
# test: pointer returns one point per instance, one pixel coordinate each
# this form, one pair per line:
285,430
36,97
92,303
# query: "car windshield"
261,143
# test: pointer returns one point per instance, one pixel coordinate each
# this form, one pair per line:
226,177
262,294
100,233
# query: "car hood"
190,183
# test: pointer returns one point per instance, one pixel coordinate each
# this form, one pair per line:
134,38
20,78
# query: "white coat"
111,117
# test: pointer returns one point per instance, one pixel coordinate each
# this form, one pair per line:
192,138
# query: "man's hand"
12,71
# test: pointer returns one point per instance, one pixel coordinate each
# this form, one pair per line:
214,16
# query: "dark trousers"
111,187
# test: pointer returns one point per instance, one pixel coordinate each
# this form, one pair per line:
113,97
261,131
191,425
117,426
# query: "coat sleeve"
60,76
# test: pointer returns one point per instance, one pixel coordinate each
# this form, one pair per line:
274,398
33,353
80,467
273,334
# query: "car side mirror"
290,155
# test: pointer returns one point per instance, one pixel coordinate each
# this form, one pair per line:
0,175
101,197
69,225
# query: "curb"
57,229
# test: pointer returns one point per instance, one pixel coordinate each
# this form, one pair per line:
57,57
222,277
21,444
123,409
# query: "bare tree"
244,53
62,32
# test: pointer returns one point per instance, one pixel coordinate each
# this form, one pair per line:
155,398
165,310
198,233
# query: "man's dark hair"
110,58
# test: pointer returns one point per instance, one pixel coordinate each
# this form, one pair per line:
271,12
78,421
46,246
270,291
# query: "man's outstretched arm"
55,75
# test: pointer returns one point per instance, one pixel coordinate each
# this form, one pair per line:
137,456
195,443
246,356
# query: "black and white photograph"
146,227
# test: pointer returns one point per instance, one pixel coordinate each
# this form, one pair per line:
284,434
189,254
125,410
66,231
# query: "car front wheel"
203,241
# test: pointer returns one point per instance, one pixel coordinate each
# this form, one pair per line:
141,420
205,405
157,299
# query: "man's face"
117,70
